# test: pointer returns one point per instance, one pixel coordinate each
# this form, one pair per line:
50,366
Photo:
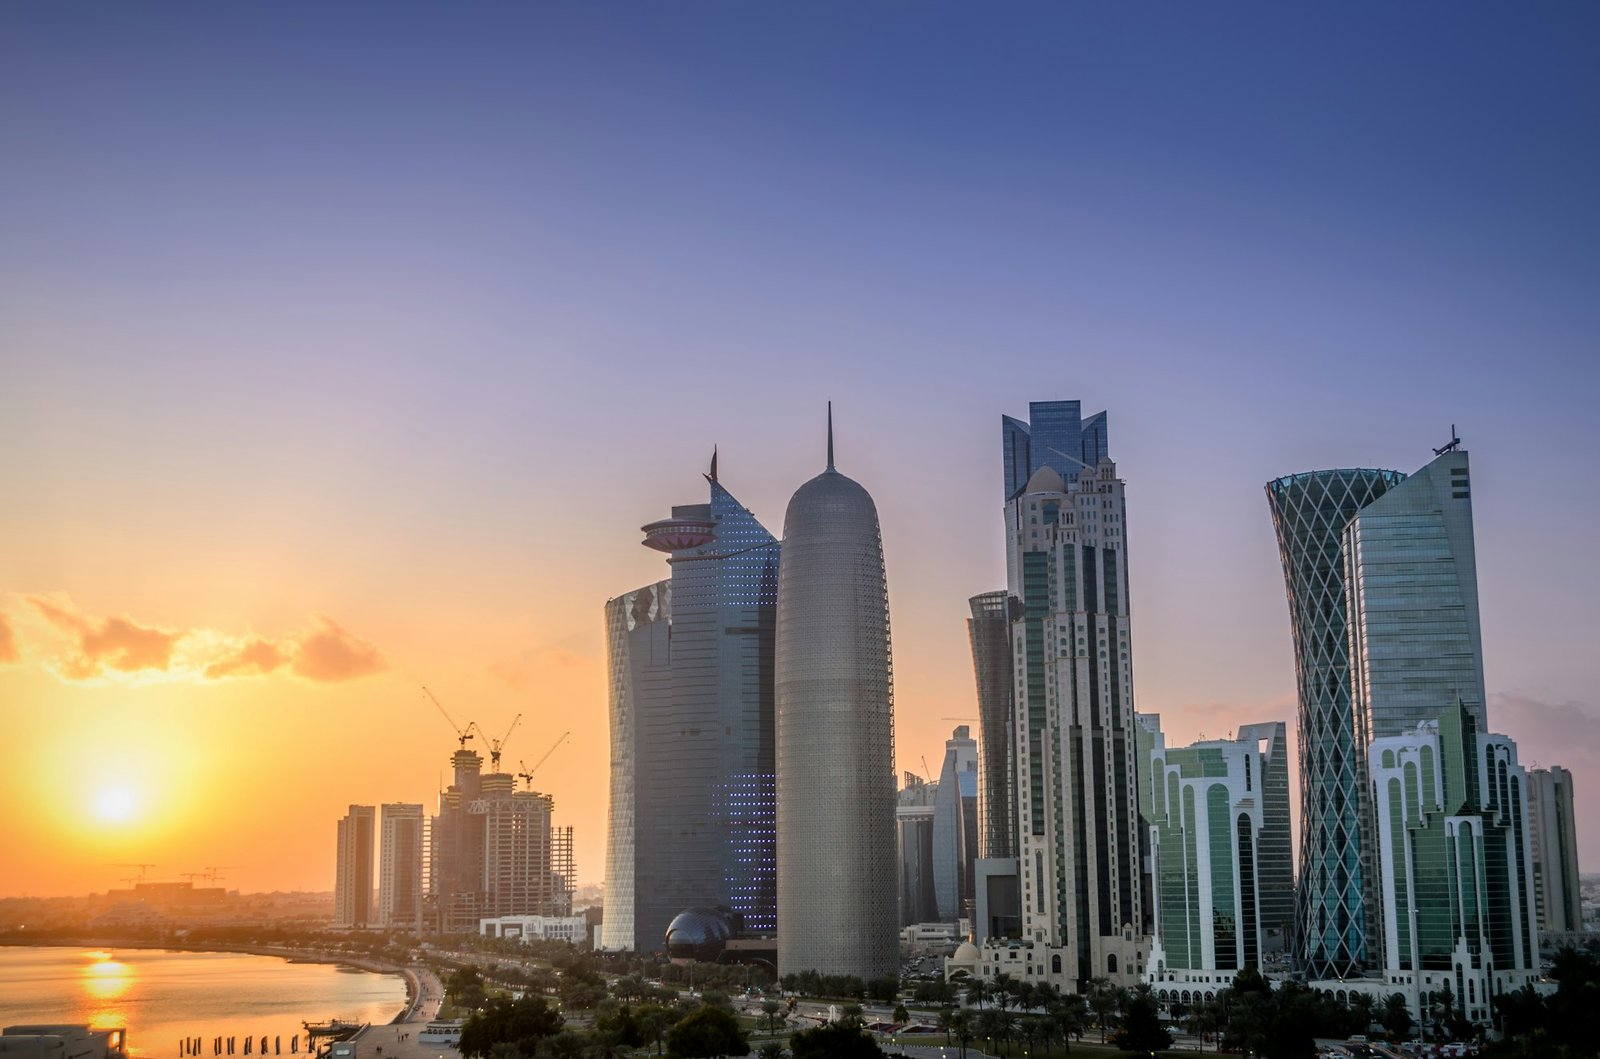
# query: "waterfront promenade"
398,1039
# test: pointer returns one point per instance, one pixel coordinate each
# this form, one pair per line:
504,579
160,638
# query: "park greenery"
548,999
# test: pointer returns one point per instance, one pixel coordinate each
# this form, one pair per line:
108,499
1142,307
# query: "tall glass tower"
1309,513
989,629
693,769
837,906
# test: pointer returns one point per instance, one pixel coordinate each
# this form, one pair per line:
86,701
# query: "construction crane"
462,734
213,872
142,868
496,744
526,774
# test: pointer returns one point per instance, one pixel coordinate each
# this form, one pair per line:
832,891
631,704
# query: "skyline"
358,349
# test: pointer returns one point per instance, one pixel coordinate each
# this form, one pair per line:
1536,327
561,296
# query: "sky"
344,349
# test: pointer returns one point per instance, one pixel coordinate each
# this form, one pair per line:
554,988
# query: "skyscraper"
352,889
955,827
913,818
1211,808
989,630
1309,514
639,664
400,838
455,849
1411,576
835,736
691,660
1274,848
1383,596
1555,849
1454,865
1078,837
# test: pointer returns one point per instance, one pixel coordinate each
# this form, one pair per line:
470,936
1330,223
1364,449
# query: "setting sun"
114,805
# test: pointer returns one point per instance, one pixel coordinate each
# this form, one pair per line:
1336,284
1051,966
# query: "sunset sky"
344,349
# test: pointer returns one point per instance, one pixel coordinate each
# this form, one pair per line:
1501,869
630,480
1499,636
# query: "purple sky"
411,314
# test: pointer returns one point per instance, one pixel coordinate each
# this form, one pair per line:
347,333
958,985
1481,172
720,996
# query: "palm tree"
1106,1000
770,1009
1004,989
1071,1014
977,992
961,1024
1363,1007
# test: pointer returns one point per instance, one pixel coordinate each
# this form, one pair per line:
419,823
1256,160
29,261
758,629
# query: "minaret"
837,902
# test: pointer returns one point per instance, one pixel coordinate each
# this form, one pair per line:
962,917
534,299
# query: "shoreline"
417,991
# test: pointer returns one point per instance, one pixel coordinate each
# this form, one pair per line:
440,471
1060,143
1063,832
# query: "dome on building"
966,952
698,934
1046,480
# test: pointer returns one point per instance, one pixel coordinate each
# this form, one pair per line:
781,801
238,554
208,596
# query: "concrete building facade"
1555,850
352,890
400,847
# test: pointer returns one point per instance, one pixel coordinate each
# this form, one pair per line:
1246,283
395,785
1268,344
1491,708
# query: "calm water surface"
163,996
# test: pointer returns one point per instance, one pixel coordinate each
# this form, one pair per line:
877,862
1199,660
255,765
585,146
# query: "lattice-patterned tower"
1335,897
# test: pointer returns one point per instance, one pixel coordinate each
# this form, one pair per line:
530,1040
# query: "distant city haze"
344,350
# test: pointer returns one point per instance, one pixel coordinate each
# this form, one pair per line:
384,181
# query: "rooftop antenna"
1455,443
830,435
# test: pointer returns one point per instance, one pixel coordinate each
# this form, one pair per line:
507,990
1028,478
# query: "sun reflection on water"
106,978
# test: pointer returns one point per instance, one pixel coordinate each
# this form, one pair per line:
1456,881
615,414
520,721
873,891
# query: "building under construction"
494,851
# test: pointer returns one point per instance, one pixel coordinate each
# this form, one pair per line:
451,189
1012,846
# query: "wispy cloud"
253,658
118,647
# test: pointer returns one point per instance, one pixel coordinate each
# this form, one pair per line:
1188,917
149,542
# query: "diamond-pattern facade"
1309,513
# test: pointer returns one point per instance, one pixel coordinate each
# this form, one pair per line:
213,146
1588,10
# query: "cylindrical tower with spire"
837,901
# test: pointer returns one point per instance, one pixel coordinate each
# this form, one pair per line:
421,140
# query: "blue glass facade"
1334,901
700,691
1056,436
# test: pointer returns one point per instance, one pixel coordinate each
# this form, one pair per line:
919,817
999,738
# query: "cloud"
120,648
255,657
1548,733
8,641
330,654
117,643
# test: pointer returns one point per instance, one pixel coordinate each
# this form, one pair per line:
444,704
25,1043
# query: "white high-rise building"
400,841
1078,836
352,888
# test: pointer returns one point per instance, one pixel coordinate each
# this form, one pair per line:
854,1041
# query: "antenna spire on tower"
830,435
713,474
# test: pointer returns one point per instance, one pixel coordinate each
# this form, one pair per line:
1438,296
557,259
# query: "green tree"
522,1022
771,1050
961,1026
1105,1000
977,992
901,1014
884,990
653,1021
1395,1014
852,1015
833,1041
1141,1029
770,1011
706,1032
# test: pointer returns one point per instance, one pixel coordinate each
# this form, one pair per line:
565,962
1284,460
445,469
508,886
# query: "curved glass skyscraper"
1310,512
692,785
837,905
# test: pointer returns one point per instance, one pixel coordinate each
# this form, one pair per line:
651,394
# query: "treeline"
842,986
